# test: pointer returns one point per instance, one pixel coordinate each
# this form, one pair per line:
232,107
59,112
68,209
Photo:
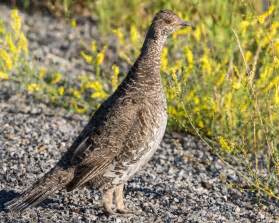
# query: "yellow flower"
42,72
33,87
99,92
274,82
267,37
224,144
100,56
189,56
114,79
190,95
93,46
56,78
23,43
99,95
275,25
4,76
61,91
172,111
181,32
263,17
196,100
221,79
73,23
197,33
164,59
78,108
236,85
196,110
206,66
119,35
6,59
267,72
228,100
134,35
76,94
11,44
200,124
276,48
265,75
173,74
243,26
86,57
276,62
95,85
15,21
248,56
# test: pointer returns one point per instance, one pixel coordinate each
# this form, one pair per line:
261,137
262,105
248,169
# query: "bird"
121,136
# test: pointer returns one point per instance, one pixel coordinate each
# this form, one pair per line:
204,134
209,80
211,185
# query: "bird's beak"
184,24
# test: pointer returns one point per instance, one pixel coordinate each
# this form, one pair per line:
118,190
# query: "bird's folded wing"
99,149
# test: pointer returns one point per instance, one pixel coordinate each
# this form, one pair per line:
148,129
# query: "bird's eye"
168,21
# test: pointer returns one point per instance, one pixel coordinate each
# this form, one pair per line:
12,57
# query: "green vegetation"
222,78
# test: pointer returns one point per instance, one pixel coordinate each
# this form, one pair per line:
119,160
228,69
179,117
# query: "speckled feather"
124,132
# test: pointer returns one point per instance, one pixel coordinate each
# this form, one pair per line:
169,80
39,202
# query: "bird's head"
166,22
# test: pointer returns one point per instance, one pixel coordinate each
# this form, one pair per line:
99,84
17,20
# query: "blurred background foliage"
221,78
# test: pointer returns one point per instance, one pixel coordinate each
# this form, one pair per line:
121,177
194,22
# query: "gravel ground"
184,182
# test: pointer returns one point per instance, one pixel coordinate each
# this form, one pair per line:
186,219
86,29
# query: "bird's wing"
97,151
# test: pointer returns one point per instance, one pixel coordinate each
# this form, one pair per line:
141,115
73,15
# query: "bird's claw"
109,211
126,211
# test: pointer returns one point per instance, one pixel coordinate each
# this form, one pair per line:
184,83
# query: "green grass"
222,78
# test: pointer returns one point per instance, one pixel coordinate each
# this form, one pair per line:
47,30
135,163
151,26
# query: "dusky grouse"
122,135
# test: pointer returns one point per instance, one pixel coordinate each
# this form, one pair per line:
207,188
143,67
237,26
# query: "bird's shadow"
5,196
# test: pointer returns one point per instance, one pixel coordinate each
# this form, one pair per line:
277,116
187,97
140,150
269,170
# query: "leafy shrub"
13,44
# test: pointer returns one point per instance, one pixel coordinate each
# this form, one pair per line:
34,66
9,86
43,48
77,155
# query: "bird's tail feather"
55,180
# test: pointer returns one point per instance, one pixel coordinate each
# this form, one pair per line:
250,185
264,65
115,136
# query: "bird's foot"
119,211
119,202
126,211
109,210
107,202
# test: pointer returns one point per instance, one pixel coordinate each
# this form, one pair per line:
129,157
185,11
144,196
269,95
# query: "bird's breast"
123,169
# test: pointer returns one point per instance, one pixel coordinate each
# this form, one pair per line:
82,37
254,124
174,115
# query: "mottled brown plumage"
123,133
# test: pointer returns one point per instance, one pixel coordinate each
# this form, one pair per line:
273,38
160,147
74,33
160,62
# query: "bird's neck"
147,67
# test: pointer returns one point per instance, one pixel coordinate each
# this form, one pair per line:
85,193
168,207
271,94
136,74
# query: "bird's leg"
119,200
107,201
